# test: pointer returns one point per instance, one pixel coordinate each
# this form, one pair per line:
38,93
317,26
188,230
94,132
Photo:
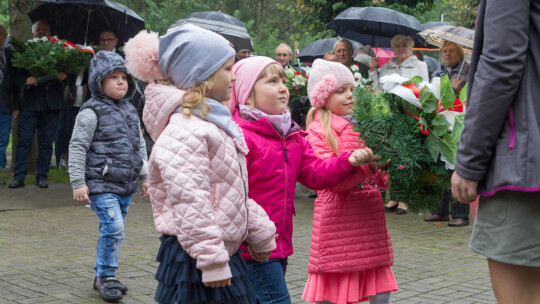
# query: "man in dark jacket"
6,97
37,110
109,41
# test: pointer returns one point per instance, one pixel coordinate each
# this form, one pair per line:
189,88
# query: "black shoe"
2,182
458,223
401,211
16,184
113,281
312,194
108,288
42,183
390,209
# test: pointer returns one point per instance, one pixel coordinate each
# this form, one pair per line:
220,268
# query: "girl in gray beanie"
197,171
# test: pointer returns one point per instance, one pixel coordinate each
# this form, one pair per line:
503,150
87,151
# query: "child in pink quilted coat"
278,157
197,169
351,251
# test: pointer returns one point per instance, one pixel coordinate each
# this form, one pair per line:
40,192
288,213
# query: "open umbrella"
318,48
82,21
432,24
375,25
383,55
227,26
456,34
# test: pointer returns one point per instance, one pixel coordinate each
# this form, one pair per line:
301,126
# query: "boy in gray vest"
107,156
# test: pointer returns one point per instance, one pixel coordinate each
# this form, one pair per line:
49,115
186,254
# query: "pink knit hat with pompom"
142,56
325,78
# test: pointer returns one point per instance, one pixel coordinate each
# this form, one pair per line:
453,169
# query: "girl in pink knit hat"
351,251
278,157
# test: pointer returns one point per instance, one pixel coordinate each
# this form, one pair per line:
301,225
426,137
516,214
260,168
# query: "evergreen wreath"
45,57
416,139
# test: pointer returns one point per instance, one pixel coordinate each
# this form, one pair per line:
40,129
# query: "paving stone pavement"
47,255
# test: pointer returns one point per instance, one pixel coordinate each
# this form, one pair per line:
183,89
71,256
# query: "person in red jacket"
278,157
351,251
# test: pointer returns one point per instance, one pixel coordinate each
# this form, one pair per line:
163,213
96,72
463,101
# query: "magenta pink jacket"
349,227
275,164
198,186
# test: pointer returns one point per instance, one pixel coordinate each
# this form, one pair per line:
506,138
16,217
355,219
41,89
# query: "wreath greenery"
45,57
417,140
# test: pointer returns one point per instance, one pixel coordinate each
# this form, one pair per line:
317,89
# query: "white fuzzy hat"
325,78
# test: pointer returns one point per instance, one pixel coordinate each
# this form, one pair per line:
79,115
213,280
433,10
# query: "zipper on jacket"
285,192
511,129
132,166
245,197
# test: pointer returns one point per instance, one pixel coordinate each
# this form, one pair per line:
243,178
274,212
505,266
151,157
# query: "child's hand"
222,283
81,194
361,157
144,190
259,256
379,165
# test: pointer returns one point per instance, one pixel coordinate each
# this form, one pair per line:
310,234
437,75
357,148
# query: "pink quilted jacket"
198,186
275,164
349,227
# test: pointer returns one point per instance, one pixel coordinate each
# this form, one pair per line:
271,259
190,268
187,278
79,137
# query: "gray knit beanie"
190,54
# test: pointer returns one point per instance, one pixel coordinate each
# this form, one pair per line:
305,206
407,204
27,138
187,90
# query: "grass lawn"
59,176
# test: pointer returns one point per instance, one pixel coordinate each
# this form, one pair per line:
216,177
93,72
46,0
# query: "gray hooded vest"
112,162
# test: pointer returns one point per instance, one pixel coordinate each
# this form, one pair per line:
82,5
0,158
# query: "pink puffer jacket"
349,227
275,164
198,186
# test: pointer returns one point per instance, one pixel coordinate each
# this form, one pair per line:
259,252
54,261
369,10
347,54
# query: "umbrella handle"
87,25
462,64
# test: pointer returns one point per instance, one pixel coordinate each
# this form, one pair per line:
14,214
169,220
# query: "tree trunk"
19,22
21,29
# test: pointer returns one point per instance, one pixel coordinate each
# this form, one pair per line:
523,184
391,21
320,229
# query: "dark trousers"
66,122
459,209
45,122
5,129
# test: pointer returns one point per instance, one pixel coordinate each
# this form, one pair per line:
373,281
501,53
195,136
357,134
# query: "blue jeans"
268,279
111,210
5,128
45,123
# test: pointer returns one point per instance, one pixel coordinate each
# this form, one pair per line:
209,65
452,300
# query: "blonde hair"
459,50
195,98
397,39
325,116
328,54
270,69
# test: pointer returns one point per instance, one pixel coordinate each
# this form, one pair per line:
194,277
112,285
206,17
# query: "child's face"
341,102
115,85
222,82
271,94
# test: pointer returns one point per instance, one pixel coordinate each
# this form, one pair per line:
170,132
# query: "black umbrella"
318,48
81,21
227,26
375,25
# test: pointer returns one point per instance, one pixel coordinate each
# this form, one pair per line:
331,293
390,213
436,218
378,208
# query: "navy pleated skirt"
180,282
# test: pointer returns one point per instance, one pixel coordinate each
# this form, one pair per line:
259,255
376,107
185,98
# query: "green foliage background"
271,22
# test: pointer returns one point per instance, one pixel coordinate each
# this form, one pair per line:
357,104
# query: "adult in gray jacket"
457,69
499,152
454,65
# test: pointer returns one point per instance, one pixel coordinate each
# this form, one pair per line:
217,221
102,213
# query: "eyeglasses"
282,54
107,40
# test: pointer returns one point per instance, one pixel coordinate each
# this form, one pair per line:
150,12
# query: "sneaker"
108,288
123,288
